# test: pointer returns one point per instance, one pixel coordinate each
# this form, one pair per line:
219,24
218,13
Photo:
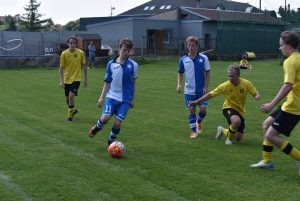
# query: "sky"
63,11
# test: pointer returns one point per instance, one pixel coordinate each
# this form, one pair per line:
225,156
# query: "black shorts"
228,112
72,87
284,122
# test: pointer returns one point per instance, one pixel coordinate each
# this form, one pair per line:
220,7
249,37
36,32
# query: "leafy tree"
72,25
10,21
290,16
30,21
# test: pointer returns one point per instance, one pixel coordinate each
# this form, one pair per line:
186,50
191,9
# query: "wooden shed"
84,39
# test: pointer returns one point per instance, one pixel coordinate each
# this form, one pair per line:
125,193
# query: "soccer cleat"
262,165
228,142
219,132
199,128
70,119
93,131
194,134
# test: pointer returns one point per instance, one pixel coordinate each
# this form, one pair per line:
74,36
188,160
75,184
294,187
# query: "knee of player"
238,136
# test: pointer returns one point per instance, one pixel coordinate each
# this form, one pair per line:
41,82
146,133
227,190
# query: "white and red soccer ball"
116,149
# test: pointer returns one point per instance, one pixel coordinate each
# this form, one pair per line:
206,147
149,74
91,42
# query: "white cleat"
263,165
219,132
228,142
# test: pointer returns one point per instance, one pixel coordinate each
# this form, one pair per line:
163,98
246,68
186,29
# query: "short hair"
126,42
72,38
192,39
235,68
290,38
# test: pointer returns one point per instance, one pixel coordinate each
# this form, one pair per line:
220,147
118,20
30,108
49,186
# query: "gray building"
159,26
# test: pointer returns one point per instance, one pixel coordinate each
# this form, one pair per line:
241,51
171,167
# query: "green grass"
43,157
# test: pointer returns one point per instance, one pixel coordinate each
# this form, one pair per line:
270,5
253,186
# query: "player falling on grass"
118,89
235,91
71,62
196,68
285,118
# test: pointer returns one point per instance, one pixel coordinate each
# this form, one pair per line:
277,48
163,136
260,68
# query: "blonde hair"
192,39
235,68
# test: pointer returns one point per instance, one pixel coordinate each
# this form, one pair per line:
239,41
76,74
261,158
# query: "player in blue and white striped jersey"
118,90
196,68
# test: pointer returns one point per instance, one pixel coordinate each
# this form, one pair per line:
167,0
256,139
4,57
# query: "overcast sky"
63,11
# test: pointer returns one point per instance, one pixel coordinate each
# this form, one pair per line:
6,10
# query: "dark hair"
235,68
290,38
72,38
126,42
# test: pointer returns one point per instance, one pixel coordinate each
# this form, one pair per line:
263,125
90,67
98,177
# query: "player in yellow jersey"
71,62
244,64
285,118
235,91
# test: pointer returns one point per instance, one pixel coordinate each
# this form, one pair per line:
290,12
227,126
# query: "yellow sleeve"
62,60
251,89
289,72
219,90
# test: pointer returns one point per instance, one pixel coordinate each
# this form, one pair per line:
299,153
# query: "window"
146,8
162,7
152,7
168,6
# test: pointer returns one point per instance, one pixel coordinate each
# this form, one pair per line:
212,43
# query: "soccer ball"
116,149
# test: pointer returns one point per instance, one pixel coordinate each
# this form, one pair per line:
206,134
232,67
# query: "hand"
100,102
85,83
62,85
266,108
257,97
192,104
178,88
132,105
205,90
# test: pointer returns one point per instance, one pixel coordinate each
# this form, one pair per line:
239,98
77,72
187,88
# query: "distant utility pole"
111,10
259,4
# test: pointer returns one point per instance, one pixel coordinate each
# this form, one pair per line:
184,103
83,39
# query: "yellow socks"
267,151
229,132
287,148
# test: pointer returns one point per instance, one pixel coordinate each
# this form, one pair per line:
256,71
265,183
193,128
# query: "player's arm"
85,74
203,98
284,90
105,89
61,77
257,96
207,78
179,81
132,103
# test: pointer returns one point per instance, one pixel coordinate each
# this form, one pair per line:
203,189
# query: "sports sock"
192,121
99,125
201,116
267,151
287,148
70,111
113,135
229,132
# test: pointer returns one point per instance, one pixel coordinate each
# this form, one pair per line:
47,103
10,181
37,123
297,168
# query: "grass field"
43,157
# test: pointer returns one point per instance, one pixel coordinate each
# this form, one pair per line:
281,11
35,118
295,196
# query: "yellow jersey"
291,68
71,62
235,96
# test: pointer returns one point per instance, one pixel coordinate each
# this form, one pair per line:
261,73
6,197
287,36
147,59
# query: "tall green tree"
290,15
31,20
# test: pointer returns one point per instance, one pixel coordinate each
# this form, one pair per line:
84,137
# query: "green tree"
72,25
30,21
10,21
290,16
